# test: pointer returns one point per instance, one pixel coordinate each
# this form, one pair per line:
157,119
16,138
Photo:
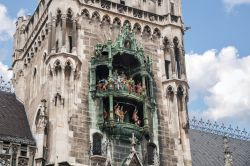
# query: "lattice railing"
219,129
5,86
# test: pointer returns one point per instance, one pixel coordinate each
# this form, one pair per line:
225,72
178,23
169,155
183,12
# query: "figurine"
119,83
139,89
130,84
119,113
135,118
105,115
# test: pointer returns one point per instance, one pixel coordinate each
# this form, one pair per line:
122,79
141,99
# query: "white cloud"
22,12
232,3
7,27
222,79
4,72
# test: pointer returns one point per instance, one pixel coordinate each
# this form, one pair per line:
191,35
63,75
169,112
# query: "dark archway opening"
125,63
102,73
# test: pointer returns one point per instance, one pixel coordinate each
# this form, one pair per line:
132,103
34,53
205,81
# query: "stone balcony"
122,130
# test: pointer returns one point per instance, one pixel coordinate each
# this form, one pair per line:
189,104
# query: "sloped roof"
207,149
14,126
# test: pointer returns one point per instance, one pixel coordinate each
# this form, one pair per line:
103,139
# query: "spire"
228,158
133,143
133,158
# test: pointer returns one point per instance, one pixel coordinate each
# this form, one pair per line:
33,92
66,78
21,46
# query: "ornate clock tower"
104,82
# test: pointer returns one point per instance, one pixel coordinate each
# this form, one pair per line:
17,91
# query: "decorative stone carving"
228,158
41,118
105,4
23,161
5,160
5,86
14,150
137,13
133,158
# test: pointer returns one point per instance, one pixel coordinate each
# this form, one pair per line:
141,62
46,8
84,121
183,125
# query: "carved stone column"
145,105
74,39
182,62
111,97
93,79
42,122
173,60
32,153
53,35
50,36
15,149
228,158
64,27
185,122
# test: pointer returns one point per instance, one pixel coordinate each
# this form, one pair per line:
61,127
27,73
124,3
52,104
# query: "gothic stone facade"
94,73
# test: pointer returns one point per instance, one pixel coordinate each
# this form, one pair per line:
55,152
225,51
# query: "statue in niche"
110,84
41,119
120,114
119,83
127,44
123,76
139,89
135,118
102,85
105,115
131,85
115,75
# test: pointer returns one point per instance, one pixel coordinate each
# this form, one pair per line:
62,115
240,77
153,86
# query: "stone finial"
133,143
228,158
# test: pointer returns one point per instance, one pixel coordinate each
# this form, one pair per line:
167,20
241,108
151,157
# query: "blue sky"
213,26
217,48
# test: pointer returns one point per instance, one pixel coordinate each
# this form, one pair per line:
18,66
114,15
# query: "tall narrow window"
5,148
57,46
177,57
97,144
167,64
122,2
172,8
70,44
151,151
159,2
23,150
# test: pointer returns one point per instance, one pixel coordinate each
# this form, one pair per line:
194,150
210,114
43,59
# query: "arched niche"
125,64
151,153
68,70
102,73
85,13
97,144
